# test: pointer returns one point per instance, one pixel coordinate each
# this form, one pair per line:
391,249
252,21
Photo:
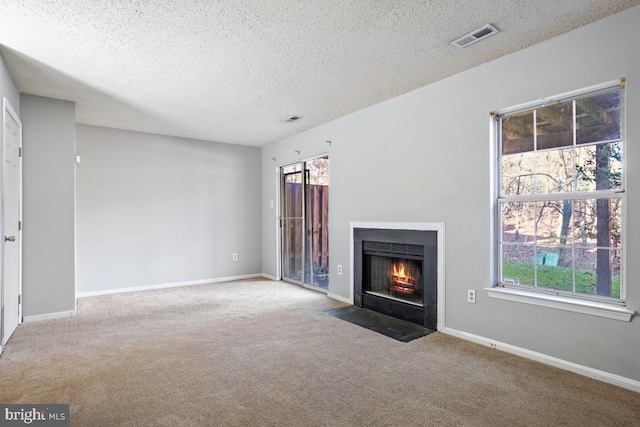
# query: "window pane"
554,222
598,272
598,223
554,171
554,126
318,171
517,133
616,268
518,222
293,178
292,195
599,167
555,267
292,168
517,265
598,118
586,271
582,225
518,174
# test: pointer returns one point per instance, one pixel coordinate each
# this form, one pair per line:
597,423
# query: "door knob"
9,238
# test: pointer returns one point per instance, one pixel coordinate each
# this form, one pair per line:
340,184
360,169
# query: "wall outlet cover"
471,296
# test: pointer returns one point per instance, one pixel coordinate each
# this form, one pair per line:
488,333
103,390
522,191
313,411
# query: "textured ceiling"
232,71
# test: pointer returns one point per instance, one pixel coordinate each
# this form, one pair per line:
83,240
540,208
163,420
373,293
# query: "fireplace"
395,273
397,278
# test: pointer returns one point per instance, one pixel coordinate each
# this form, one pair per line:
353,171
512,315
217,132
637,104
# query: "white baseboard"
270,277
166,285
49,316
606,377
340,298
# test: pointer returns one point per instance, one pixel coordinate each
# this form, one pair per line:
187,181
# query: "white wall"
431,149
48,236
155,209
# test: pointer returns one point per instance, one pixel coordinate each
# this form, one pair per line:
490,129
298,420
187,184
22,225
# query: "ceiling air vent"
476,35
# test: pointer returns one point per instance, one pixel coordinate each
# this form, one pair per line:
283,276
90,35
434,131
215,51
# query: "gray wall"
49,205
8,88
155,209
431,149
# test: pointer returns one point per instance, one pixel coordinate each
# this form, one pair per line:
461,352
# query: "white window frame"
612,308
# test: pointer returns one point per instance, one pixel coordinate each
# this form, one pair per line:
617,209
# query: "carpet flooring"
263,353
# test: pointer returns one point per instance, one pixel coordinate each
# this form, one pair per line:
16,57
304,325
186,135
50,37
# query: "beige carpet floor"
262,353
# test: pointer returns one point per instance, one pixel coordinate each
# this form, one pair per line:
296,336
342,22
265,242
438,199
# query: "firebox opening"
394,278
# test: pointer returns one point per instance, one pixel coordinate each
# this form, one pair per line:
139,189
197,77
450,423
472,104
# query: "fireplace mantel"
413,226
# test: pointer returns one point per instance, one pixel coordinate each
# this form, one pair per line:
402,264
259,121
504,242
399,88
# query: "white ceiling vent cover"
474,36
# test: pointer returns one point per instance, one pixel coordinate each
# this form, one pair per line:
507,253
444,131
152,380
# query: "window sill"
593,308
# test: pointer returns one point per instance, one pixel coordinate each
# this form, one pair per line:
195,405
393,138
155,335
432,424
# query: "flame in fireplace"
400,276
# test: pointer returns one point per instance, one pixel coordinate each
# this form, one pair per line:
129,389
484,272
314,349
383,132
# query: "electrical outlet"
339,270
471,296
235,257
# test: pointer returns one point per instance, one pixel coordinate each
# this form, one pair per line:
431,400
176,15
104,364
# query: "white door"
11,214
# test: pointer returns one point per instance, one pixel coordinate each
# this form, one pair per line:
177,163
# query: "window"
561,196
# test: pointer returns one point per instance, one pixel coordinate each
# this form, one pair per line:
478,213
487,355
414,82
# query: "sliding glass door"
304,222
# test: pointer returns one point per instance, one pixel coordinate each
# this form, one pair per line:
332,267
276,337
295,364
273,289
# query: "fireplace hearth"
395,273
